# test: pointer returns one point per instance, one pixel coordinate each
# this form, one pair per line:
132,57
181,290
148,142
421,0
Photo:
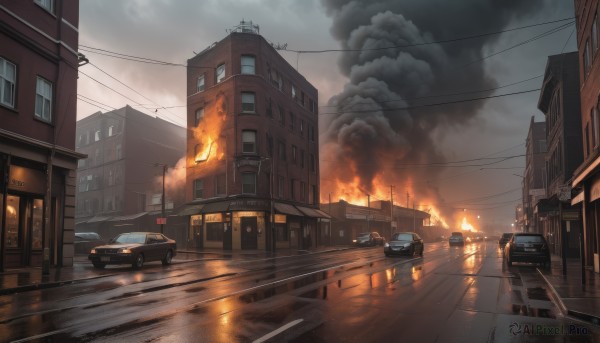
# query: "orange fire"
208,134
466,226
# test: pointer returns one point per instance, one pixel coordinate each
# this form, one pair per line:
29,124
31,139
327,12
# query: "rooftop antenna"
245,27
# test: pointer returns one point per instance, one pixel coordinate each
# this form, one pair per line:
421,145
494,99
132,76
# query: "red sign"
161,221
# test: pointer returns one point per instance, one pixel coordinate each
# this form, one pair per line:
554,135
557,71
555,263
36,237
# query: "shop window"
36,224
214,232
12,222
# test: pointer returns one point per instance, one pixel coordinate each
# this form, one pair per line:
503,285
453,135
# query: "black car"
527,247
134,248
404,243
456,238
504,239
369,239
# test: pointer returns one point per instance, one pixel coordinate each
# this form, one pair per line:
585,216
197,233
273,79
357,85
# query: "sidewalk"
31,278
577,300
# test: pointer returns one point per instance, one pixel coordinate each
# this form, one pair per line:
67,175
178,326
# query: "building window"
249,183
313,164
220,73
587,139
96,135
248,142
302,159
248,65
281,116
248,102
293,92
282,151
294,154
292,120
199,115
302,191
269,108
198,189
47,4
8,73
221,184
301,127
43,99
280,186
200,83
110,131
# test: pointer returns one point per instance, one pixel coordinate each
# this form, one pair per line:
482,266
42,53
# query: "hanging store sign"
26,180
213,217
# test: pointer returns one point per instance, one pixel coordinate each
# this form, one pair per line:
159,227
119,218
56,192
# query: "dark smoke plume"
374,131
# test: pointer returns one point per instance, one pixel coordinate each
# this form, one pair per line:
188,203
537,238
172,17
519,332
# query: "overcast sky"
172,31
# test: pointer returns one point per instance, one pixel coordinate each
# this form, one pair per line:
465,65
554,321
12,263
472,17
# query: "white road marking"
278,331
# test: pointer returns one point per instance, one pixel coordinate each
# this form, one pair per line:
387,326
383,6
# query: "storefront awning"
578,198
191,210
128,217
310,212
287,209
221,206
98,219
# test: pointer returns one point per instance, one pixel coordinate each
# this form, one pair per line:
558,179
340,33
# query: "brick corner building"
252,148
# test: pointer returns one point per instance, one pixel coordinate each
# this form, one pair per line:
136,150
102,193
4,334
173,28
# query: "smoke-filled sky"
376,113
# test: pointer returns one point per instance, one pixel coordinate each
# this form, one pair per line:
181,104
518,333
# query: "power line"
430,105
427,43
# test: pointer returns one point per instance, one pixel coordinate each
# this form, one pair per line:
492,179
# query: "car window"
131,238
364,234
402,237
529,239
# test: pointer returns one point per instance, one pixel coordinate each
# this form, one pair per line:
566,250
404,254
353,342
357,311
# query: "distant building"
560,102
534,177
252,148
348,220
38,90
587,177
119,185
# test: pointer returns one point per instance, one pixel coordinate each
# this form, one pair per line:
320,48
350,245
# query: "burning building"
252,148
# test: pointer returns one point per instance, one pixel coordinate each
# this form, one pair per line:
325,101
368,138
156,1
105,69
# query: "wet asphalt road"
451,294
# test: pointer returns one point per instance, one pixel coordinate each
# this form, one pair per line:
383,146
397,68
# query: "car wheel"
138,262
168,257
99,265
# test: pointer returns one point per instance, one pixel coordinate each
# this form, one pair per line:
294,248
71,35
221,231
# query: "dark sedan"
134,248
370,239
527,247
404,243
85,241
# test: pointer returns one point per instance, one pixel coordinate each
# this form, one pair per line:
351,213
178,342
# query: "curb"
590,318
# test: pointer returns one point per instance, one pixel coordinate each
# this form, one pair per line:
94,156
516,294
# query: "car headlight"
124,251
406,245
93,251
386,245
354,241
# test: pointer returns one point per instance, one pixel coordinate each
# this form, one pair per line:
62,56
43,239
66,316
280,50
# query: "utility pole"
391,209
162,201
407,198
368,212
